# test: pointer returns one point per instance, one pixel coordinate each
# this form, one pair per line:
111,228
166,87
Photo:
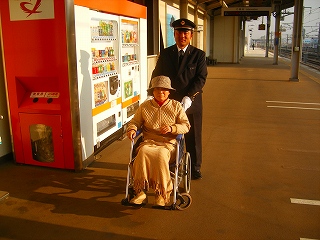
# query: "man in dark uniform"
186,66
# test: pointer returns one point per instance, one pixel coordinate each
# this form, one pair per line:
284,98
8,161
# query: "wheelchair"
180,172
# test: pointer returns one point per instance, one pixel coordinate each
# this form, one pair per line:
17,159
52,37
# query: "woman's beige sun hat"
161,82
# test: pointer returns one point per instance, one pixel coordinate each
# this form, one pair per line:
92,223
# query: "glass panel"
42,143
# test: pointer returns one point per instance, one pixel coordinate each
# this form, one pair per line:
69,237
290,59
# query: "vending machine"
63,67
97,44
37,74
109,78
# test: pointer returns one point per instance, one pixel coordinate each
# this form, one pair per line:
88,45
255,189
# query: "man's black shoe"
196,174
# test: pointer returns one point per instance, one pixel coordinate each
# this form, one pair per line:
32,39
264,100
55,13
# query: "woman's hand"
165,129
131,134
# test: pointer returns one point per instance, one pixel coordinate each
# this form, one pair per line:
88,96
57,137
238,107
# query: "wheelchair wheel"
183,201
126,201
186,176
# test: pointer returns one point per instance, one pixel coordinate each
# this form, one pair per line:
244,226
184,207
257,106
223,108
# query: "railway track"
310,57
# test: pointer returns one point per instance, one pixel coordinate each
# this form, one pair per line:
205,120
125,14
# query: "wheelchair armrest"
179,137
138,132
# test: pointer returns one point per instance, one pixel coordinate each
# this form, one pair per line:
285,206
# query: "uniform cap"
183,24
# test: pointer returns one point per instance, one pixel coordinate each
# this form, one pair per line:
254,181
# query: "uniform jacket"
187,79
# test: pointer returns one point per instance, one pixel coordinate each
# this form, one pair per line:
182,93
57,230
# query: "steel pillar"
296,40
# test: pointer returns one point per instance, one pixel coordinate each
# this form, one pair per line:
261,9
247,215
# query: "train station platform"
261,171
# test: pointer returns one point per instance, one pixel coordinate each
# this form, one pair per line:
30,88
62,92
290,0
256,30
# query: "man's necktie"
181,54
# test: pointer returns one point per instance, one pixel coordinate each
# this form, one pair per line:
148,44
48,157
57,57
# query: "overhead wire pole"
267,36
296,40
276,35
318,48
249,36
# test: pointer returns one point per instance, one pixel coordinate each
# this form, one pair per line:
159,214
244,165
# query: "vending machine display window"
103,44
103,50
130,66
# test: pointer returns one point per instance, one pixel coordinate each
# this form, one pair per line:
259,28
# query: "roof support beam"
219,4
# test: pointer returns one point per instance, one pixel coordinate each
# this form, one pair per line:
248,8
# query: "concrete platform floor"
261,171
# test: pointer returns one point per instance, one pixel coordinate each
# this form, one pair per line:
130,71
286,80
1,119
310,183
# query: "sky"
311,21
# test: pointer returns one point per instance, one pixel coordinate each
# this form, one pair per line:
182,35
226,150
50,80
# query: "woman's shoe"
159,201
139,198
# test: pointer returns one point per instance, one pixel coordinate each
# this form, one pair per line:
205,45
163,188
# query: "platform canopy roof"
213,7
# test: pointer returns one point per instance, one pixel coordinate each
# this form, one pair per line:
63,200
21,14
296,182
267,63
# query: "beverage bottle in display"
106,52
101,26
111,28
100,29
127,36
107,29
135,37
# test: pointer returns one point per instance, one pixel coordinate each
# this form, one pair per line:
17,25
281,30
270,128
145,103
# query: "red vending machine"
37,75
60,107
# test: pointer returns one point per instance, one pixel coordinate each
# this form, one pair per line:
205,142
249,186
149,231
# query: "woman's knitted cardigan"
151,117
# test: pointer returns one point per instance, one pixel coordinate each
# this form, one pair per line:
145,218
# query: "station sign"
246,11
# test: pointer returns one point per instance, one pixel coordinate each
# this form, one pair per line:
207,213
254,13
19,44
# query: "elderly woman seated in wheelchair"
161,120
